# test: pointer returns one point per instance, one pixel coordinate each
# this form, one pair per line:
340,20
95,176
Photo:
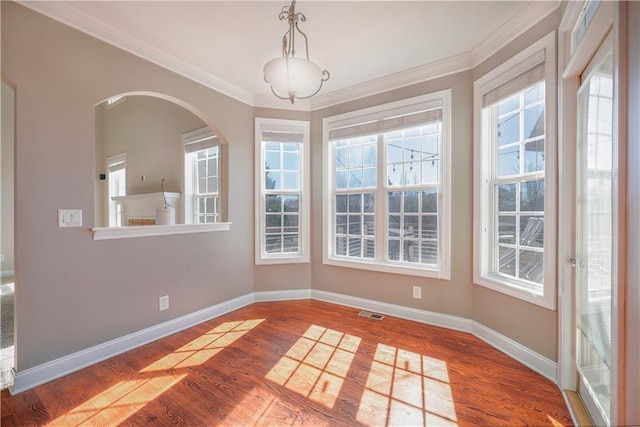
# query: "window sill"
106,233
388,268
513,289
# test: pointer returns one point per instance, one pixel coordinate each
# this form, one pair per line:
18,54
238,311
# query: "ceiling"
367,46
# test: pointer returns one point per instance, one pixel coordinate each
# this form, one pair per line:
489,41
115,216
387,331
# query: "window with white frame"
201,151
117,182
282,188
387,187
514,208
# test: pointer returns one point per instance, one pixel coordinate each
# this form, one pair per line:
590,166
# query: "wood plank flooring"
299,363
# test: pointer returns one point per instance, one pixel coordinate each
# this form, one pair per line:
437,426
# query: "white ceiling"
367,46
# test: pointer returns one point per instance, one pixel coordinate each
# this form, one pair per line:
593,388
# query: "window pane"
273,243
341,157
394,226
411,252
273,203
212,166
369,155
212,185
291,161
394,250
355,246
430,172
395,198
290,243
532,231
273,223
369,202
509,129
430,147
411,201
534,156
341,224
534,121
507,261
411,226
341,179
430,201
412,147
341,203
531,266
507,198
355,203
341,245
269,182
370,177
272,160
209,205
369,248
291,203
509,161
394,152
355,156
202,185
291,180
369,225
202,169
507,229
412,174
429,252
290,223
355,178
532,196
429,227
394,174
355,225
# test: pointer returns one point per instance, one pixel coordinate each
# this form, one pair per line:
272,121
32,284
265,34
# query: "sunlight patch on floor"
116,404
205,346
406,388
317,364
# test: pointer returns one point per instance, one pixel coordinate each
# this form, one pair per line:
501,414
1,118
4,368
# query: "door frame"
610,17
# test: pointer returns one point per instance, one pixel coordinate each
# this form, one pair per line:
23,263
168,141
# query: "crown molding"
444,67
69,14
512,29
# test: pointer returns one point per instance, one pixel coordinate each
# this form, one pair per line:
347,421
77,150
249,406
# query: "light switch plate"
69,218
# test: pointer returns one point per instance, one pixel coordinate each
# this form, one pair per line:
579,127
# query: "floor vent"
371,315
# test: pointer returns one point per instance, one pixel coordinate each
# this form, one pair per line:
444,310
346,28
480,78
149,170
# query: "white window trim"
118,158
188,183
437,99
261,257
482,218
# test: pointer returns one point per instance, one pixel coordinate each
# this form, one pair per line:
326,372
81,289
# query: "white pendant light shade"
293,77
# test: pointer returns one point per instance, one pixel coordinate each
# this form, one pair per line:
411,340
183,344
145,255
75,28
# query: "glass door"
595,278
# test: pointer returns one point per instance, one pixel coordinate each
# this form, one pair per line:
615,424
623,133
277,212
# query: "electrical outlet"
163,303
417,292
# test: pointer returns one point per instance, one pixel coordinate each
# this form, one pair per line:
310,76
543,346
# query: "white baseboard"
422,316
290,295
545,367
33,377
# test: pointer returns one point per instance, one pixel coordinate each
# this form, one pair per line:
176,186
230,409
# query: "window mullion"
380,213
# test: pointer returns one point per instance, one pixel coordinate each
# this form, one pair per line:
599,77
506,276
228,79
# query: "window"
282,188
514,208
583,22
201,177
387,187
117,179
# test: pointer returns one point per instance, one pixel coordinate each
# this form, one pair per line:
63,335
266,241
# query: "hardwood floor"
299,363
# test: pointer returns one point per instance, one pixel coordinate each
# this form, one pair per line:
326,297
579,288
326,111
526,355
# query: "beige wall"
7,159
149,130
74,292
65,74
